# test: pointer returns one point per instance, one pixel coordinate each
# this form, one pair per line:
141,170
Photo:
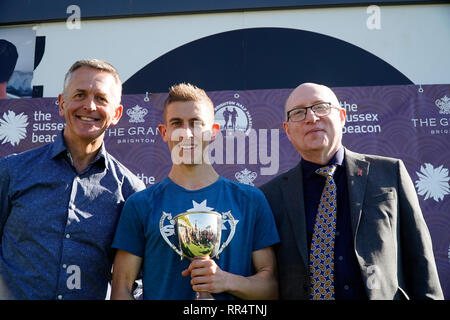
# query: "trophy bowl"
199,234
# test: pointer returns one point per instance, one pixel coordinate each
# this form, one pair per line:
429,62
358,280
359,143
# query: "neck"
321,157
193,177
3,94
83,153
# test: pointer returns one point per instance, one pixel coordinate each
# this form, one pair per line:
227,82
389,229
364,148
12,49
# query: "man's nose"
189,131
90,105
310,116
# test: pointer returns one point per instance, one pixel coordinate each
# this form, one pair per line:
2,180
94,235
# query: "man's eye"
320,107
298,112
197,123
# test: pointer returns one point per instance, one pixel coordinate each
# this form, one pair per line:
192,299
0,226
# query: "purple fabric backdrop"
407,122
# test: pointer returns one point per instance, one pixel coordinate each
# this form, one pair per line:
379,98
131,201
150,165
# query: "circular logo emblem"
233,116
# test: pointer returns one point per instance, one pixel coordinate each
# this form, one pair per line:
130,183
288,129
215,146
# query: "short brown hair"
186,92
95,64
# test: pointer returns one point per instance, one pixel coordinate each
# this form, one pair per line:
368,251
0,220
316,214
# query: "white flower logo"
433,182
13,127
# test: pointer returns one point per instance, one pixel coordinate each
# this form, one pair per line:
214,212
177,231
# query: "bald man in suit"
379,244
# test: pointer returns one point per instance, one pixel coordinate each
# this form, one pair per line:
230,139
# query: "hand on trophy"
206,275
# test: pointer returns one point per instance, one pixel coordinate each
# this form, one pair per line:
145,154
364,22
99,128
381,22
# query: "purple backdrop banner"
407,122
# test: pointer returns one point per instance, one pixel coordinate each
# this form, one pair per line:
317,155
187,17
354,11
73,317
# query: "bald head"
309,93
316,137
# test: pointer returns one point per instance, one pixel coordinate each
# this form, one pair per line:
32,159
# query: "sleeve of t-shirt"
266,233
130,230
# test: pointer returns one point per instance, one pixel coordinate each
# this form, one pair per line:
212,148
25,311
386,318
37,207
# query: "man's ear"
286,129
342,114
117,115
215,130
60,105
162,129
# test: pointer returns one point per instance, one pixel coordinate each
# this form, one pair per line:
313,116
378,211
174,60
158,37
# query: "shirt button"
341,258
68,236
346,287
338,233
60,297
64,265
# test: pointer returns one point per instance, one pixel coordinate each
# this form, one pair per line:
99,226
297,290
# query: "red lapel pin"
360,172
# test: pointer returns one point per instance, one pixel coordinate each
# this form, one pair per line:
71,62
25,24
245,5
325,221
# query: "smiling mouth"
188,147
87,118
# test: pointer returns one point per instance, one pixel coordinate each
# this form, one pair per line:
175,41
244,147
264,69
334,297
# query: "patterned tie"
321,257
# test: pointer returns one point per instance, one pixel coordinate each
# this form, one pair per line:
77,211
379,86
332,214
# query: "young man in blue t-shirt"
246,268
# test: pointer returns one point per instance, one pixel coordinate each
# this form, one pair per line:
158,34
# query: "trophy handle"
163,234
231,235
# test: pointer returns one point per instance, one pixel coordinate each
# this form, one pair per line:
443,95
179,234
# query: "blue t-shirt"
139,233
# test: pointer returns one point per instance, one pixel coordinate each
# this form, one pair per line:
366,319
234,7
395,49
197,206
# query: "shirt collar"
102,156
59,147
309,167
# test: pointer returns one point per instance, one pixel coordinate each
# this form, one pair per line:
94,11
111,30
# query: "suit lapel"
357,170
293,198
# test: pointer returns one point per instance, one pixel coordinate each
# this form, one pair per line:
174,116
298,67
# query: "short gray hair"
95,64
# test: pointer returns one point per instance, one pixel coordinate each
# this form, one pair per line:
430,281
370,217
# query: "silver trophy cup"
199,234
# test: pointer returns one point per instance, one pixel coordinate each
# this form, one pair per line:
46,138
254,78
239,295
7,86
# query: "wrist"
233,283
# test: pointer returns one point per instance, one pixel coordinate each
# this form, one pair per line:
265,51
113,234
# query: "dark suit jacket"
391,240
